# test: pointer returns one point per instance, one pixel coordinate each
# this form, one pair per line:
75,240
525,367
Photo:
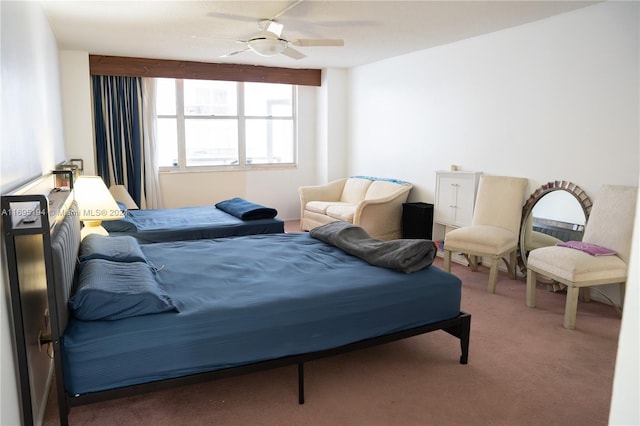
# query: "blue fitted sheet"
249,299
188,223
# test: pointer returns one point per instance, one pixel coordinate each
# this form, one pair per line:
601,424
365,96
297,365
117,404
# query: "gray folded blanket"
407,255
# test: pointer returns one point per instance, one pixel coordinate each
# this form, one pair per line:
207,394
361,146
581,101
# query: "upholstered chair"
610,226
495,226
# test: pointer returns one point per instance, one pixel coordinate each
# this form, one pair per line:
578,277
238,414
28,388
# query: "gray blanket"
407,255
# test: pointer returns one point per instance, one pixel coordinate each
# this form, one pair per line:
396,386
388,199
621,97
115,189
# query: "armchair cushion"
319,206
575,265
380,189
482,239
354,190
342,211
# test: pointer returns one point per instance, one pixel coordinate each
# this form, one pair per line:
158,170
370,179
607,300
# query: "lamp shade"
95,204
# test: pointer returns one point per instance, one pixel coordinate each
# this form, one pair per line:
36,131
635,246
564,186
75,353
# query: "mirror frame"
527,209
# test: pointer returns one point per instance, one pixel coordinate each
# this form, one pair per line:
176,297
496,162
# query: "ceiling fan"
270,42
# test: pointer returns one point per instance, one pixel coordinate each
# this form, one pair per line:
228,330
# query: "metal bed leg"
300,383
465,332
462,330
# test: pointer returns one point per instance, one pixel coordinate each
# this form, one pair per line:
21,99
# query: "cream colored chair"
610,225
494,228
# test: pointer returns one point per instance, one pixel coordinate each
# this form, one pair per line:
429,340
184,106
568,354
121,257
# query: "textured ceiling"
205,30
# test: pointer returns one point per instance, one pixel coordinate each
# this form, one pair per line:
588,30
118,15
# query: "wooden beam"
142,67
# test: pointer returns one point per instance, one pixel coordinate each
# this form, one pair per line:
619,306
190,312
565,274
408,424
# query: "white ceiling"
205,30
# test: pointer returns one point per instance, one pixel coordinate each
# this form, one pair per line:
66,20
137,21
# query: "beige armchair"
495,226
610,225
373,204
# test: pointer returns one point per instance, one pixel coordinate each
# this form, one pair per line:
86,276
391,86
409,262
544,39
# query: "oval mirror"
557,211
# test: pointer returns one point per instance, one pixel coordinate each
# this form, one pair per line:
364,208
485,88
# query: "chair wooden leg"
531,288
571,307
512,264
447,260
473,262
585,292
493,275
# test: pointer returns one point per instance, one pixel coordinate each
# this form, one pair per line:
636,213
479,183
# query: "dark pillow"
117,249
120,225
115,290
246,210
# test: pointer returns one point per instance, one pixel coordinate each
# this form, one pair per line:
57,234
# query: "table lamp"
95,204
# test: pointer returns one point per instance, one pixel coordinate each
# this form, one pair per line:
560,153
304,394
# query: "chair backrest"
499,202
354,190
383,189
610,223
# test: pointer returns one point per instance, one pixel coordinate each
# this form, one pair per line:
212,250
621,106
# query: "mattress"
188,223
247,299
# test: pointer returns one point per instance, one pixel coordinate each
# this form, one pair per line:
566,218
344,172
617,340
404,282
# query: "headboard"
65,244
32,217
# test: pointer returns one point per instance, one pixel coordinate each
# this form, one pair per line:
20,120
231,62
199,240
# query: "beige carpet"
524,369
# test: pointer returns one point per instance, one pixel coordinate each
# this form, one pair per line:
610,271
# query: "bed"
231,217
225,306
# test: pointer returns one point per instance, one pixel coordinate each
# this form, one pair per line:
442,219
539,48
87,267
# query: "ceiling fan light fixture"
265,46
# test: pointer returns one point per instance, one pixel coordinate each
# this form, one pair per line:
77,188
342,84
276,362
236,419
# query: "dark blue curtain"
117,103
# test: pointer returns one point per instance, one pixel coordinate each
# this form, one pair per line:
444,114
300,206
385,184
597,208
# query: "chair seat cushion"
481,239
342,211
320,206
575,265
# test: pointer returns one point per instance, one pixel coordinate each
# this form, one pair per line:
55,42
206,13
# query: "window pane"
269,141
167,139
202,97
211,142
268,100
165,96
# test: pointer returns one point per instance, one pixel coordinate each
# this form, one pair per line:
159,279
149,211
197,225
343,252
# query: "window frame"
241,118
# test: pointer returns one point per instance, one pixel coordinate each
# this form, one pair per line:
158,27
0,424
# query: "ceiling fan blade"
286,9
317,42
232,16
235,52
293,53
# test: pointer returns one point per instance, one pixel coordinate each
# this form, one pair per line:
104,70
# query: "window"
206,123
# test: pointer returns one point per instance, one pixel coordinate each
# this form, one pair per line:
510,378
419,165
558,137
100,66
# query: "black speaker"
417,220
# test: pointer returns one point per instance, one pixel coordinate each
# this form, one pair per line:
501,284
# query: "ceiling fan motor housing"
267,46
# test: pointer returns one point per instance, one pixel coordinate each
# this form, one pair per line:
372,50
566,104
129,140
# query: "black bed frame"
459,327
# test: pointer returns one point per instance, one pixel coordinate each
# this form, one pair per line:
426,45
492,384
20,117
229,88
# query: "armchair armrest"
382,217
327,192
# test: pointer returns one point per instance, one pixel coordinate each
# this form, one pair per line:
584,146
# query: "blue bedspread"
248,299
188,223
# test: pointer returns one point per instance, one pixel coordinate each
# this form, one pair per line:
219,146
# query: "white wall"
77,107
31,143
626,385
331,143
554,99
